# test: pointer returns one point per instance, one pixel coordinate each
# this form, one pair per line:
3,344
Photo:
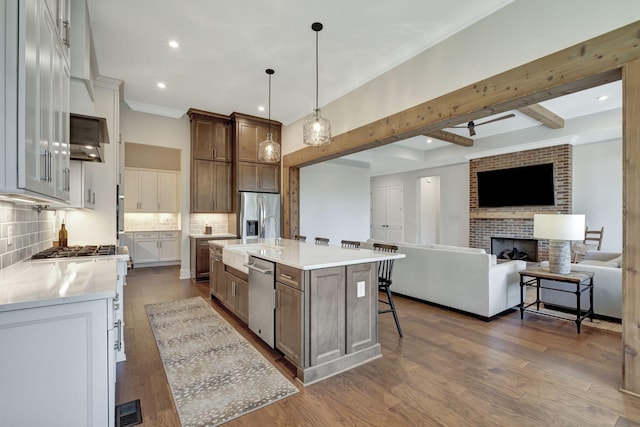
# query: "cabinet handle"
88,195
49,166
276,298
118,344
67,179
67,33
286,276
93,198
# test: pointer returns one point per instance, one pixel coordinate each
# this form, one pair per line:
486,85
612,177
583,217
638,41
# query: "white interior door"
387,207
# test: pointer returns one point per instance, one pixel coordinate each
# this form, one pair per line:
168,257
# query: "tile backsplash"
151,221
32,231
219,223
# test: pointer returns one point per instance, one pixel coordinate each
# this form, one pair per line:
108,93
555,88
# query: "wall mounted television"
521,186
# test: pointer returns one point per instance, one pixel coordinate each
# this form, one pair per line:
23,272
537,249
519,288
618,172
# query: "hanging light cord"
317,69
269,125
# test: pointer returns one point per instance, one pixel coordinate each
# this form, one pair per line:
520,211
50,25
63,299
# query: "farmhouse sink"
236,256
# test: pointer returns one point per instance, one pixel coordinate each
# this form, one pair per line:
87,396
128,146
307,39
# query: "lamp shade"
558,227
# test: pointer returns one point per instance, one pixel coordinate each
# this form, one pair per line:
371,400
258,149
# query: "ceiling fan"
471,125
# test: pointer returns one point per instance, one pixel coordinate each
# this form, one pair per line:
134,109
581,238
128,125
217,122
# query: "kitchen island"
318,305
60,338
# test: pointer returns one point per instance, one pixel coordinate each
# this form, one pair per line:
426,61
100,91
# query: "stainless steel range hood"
87,134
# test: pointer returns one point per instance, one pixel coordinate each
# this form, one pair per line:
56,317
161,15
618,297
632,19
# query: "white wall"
143,128
98,226
597,189
454,201
335,202
429,210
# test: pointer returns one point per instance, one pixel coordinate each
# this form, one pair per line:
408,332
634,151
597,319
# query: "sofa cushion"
612,263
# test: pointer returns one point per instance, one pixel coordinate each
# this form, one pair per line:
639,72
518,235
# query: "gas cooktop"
75,251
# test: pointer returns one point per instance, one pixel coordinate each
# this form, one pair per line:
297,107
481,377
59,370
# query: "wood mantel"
588,64
504,215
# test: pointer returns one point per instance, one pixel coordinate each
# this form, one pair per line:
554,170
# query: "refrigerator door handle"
261,216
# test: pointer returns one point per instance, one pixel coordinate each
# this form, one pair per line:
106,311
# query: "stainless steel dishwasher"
262,298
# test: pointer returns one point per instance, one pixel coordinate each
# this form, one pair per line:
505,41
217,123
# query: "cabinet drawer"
289,276
168,234
145,235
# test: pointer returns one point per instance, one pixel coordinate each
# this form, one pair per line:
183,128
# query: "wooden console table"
582,280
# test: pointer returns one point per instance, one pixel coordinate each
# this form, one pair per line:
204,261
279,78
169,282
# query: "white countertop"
305,256
38,283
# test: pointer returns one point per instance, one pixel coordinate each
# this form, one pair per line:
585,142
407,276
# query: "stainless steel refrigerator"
259,215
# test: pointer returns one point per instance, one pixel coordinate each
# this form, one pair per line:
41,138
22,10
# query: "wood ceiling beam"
450,137
585,65
543,115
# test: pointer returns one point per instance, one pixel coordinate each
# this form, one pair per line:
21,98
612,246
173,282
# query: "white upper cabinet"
35,71
148,190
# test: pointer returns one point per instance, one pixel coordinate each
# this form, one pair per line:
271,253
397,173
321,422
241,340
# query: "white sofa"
607,285
464,279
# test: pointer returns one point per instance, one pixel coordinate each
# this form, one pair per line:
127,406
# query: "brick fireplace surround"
517,222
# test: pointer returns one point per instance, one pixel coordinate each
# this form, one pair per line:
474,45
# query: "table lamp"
559,229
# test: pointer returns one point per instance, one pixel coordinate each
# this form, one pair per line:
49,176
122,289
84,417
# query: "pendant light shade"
269,150
316,129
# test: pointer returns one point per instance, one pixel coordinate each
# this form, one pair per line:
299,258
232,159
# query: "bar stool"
300,238
322,241
350,244
385,270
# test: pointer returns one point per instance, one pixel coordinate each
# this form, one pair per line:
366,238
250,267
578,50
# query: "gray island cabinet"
326,302
322,325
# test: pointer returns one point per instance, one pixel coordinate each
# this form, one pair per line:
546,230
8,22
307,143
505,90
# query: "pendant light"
269,150
316,129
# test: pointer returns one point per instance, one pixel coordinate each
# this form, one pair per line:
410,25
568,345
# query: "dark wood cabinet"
211,167
216,273
210,136
251,174
236,295
199,258
211,187
258,177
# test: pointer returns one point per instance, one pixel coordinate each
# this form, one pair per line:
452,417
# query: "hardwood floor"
449,369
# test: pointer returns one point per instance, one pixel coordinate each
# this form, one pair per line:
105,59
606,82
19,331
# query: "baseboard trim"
185,273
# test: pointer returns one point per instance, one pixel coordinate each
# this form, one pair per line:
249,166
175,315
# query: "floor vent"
128,414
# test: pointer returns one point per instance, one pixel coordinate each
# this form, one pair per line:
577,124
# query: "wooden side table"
583,281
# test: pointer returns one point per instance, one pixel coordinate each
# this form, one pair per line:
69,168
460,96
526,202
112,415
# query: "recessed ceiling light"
603,97
260,108
174,44
429,141
162,85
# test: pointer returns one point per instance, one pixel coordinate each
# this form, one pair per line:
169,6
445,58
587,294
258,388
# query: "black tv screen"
523,186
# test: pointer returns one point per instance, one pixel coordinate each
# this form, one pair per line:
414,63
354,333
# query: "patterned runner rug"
215,374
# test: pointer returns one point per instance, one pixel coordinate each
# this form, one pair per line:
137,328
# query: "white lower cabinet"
58,365
156,247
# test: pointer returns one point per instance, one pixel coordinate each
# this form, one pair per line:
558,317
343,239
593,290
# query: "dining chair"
350,244
385,272
300,238
322,241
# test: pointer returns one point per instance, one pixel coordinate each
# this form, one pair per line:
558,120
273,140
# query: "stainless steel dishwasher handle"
258,269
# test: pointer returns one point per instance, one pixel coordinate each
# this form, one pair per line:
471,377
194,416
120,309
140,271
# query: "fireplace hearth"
515,249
